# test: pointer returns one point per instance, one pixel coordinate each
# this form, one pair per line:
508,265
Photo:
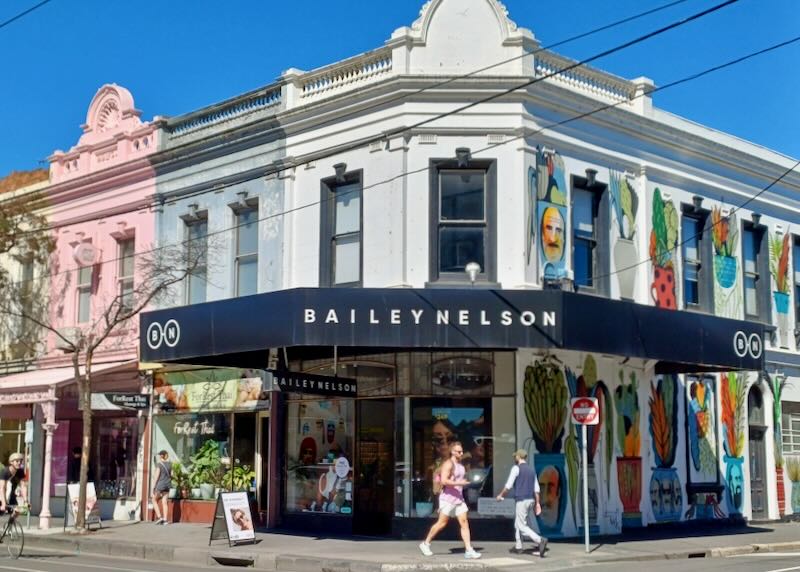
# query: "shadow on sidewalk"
675,530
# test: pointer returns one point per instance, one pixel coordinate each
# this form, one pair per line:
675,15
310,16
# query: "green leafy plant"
625,203
779,261
545,393
206,464
793,468
238,478
180,478
664,235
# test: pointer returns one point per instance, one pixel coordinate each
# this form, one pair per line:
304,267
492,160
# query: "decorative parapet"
266,98
349,75
590,81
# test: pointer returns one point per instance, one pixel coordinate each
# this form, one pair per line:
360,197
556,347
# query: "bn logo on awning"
169,334
743,345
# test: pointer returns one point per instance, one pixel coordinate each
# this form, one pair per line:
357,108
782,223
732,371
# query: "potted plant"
206,464
545,393
629,464
239,478
666,491
625,203
779,268
724,233
734,397
793,470
663,242
776,386
180,480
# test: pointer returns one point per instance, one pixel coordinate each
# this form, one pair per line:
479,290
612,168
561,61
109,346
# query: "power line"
505,142
23,13
335,150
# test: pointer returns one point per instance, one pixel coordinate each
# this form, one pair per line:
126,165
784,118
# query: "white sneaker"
472,555
425,548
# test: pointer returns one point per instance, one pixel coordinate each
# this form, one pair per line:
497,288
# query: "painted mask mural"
551,194
733,395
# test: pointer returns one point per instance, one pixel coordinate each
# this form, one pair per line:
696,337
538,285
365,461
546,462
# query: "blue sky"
179,55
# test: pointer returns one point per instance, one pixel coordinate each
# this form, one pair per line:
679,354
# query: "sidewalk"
188,544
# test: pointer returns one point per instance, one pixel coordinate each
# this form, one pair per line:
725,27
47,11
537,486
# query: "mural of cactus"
625,203
663,243
627,405
734,398
779,261
664,420
545,393
572,454
724,232
702,430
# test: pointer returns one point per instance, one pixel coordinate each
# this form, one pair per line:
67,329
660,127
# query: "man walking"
522,479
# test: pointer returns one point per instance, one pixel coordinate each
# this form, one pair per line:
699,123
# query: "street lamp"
472,269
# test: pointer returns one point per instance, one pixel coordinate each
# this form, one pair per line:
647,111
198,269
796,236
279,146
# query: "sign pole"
585,462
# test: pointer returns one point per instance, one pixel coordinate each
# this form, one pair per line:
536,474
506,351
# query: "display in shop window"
210,390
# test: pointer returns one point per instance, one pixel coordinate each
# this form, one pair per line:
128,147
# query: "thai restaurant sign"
206,390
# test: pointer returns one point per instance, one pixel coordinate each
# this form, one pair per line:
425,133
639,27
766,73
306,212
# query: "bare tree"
159,274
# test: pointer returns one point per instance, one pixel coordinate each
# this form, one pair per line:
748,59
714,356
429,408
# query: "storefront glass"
12,438
319,457
114,456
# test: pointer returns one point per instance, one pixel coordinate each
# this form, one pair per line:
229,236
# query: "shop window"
462,375
115,448
246,260
12,439
374,378
84,286
463,218
796,274
756,275
319,457
590,229
341,230
125,270
696,258
196,248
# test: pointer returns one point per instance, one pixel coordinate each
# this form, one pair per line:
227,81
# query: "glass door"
374,490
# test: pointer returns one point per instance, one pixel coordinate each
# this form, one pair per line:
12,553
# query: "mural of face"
736,482
550,485
552,234
655,496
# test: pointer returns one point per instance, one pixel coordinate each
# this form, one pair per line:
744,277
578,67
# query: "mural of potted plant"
779,268
793,470
663,242
724,233
734,397
629,464
545,394
587,385
625,203
776,386
666,491
702,431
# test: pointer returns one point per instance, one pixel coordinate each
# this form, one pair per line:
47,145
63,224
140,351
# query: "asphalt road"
766,562
39,560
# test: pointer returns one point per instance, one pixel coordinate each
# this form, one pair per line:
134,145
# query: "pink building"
99,209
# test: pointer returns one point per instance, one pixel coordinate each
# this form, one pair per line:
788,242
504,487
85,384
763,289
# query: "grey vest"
525,483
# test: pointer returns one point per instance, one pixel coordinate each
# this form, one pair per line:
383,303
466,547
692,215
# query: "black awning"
232,332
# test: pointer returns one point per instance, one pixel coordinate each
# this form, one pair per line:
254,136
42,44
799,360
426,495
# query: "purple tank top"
451,494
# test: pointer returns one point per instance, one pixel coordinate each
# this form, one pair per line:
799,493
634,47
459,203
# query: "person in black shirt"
12,483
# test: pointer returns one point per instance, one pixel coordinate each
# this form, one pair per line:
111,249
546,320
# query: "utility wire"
337,149
22,14
452,112
505,142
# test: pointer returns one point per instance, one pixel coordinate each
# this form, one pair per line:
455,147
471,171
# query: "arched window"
755,407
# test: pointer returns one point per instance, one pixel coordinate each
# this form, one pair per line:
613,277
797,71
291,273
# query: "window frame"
328,237
488,274
796,279
122,279
705,277
601,228
188,225
761,274
82,288
239,258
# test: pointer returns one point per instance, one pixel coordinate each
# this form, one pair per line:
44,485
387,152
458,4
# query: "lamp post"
472,269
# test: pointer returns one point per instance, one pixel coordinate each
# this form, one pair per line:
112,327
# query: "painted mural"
545,393
625,203
629,461
599,437
663,245
724,236
701,421
666,491
551,208
779,248
530,227
733,400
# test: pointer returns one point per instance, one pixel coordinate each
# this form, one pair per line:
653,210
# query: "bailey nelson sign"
422,317
296,382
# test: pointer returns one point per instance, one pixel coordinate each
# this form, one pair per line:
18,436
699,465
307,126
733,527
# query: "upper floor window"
590,255
84,287
125,271
756,276
246,260
341,228
796,274
696,259
196,246
463,215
